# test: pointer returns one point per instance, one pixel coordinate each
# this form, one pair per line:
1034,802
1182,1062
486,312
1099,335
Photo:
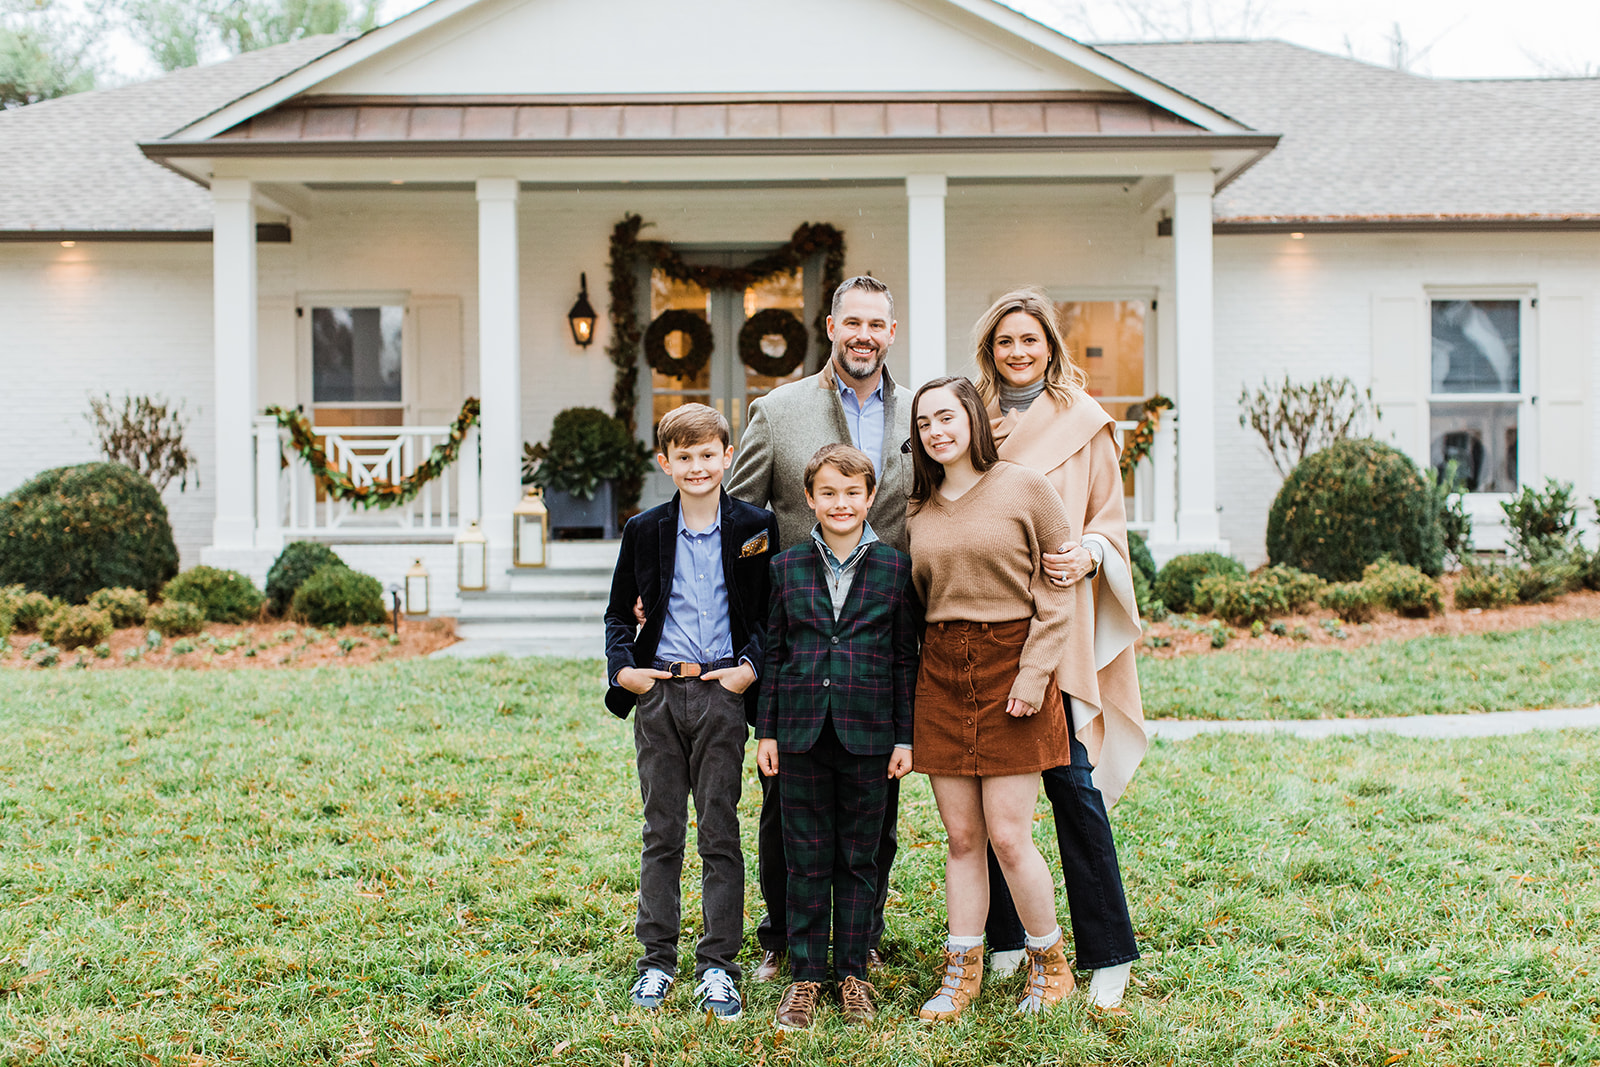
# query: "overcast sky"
1445,38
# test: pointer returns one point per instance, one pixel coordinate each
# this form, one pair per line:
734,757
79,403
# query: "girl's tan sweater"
977,559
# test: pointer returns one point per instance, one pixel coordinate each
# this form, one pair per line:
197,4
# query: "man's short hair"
867,284
847,460
690,425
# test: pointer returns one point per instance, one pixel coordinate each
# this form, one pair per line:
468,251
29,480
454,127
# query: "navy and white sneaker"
717,994
650,990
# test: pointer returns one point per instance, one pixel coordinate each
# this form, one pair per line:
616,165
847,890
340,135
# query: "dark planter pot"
573,517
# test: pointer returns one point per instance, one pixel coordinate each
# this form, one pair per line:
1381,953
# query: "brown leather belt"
680,669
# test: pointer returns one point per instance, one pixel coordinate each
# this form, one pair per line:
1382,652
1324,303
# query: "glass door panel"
1107,338
785,291
669,391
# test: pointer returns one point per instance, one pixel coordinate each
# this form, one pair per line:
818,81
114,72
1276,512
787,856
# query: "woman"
989,716
1042,419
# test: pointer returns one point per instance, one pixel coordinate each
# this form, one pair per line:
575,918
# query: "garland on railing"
1143,436
384,494
627,252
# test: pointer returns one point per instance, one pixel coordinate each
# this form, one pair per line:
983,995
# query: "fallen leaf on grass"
27,979
1396,1056
561,1046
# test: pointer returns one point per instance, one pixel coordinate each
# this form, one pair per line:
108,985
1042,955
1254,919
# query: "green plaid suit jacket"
861,670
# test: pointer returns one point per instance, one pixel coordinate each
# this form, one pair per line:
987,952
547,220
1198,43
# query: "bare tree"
1295,420
145,433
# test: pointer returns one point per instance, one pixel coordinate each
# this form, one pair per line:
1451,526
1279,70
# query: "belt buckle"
685,670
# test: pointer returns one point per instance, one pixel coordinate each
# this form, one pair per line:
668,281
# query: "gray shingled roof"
1365,142
74,164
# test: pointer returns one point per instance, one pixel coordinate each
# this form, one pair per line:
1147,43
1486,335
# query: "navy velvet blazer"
644,571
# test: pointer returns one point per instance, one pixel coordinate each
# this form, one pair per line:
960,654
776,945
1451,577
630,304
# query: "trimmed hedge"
73,530
76,627
126,607
1175,585
1352,504
28,610
1351,601
224,596
298,561
1240,601
338,596
1404,590
176,618
1485,587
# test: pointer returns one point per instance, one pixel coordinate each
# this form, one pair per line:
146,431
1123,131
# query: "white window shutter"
1400,371
275,354
437,322
1565,345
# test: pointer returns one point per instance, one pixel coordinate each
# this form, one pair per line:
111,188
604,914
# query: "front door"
725,381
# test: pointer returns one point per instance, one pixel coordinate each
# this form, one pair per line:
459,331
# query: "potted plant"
591,468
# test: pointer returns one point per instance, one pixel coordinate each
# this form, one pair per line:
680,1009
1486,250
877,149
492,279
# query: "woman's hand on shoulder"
1019,709
1068,565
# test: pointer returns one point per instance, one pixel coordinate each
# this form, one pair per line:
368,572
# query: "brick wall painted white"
137,317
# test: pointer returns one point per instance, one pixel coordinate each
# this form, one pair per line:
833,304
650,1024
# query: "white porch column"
499,364
233,274
1196,399
925,195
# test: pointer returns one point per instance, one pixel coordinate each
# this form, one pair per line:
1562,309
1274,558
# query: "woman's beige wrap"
1074,449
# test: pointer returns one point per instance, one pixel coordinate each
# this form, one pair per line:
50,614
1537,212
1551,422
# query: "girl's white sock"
1046,941
962,944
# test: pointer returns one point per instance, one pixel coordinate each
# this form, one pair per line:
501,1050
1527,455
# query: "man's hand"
640,680
1019,709
733,679
1068,565
899,762
638,611
767,756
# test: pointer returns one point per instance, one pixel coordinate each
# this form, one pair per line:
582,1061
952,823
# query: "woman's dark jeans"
1102,933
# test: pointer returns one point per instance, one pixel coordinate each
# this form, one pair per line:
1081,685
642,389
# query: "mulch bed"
273,643
1318,628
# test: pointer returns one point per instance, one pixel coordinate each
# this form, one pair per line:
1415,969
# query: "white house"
375,229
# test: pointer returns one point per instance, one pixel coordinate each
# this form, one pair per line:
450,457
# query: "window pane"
1476,346
355,354
1106,339
1482,439
785,291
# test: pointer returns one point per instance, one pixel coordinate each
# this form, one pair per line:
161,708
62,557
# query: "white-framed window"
358,363
1481,389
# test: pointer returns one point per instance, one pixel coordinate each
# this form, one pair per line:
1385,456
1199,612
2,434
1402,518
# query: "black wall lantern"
581,317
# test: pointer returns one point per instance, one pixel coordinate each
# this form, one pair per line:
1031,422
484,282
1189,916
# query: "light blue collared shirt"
841,572
697,625
865,420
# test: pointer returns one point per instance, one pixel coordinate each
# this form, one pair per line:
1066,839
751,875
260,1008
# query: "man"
851,401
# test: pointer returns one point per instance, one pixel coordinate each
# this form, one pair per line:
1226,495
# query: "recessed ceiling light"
397,181
1297,237
69,244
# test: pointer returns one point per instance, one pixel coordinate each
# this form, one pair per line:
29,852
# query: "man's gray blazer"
788,425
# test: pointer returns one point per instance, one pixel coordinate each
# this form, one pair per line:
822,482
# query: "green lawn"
436,863
1555,665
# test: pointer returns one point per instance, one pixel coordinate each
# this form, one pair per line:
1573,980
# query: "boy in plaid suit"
841,667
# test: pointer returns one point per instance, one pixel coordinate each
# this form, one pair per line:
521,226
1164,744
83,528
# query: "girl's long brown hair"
927,473
1061,374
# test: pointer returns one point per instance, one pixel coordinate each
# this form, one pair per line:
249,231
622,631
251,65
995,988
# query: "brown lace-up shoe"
856,998
958,986
1049,978
771,963
798,1008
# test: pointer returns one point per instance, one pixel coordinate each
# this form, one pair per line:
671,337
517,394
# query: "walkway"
1467,724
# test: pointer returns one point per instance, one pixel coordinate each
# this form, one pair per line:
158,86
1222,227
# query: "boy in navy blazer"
699,566
834,725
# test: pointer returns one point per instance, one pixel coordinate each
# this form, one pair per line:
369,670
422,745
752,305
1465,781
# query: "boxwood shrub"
1241,600
337,596
126,607
27,609
1354,503
1175,585
1351,601
1485,587
72,530
176,618
1404,590
298,561
224,596
72,626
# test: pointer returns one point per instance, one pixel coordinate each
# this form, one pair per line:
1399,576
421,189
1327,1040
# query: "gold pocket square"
755,546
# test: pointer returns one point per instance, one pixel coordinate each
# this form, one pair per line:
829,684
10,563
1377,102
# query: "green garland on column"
628,253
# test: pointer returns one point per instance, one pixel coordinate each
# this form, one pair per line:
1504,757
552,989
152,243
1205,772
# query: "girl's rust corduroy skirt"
961,726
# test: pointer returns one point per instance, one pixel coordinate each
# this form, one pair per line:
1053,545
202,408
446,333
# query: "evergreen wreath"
768,323
1143,436
692,326
384,494
628,253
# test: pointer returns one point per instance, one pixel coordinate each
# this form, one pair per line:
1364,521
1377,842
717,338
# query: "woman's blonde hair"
1061,374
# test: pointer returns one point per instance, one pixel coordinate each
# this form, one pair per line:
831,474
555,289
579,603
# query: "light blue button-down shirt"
841,573
697,627
865,420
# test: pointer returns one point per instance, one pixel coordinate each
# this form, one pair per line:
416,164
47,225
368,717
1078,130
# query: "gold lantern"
530,531
472,559
417,589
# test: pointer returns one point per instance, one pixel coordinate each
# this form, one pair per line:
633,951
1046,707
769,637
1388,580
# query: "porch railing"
1153,509
290,503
